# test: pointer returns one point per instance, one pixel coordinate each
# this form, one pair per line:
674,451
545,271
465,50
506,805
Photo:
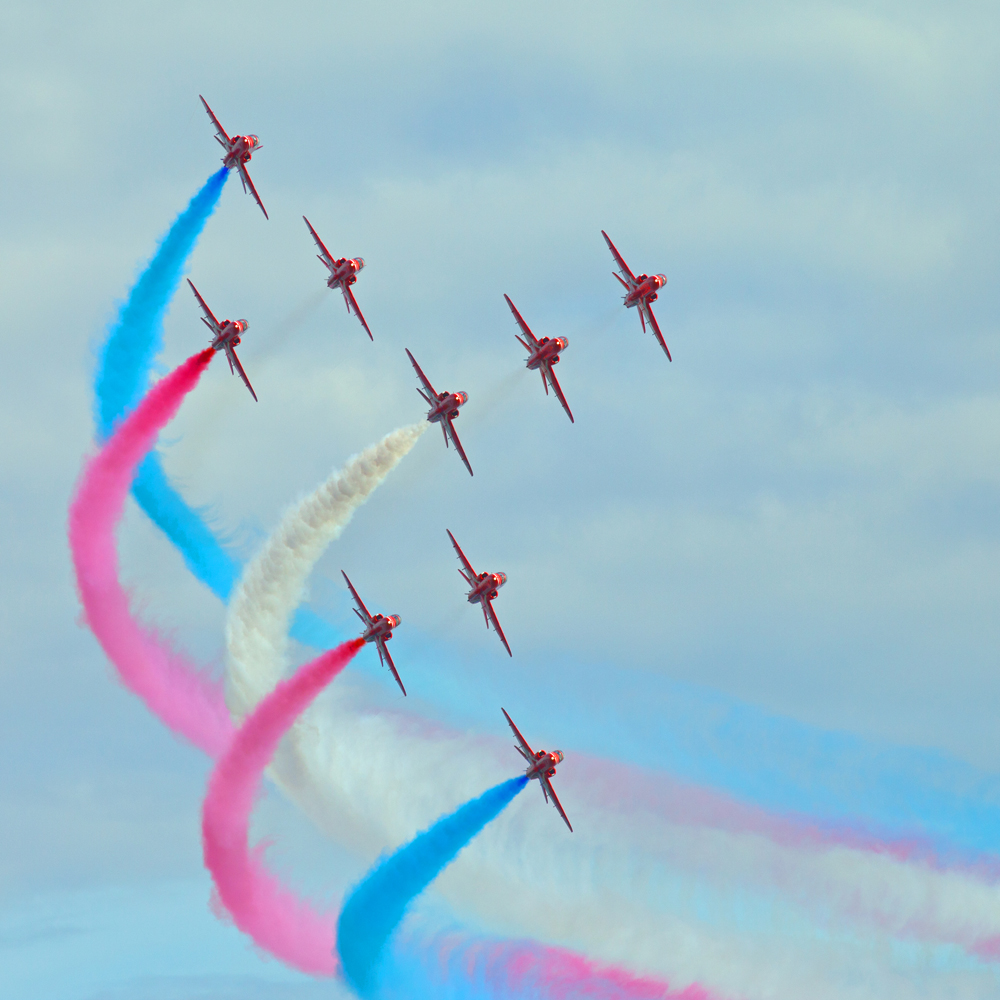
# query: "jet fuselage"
548,350
545,764
230,334
344,271
645,289
447,405
486,587
241,150
381,628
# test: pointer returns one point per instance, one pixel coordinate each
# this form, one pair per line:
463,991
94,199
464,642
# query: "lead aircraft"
239,151
378,629
640,292
542,355
444,409
343,274
226,336
541,765
484,590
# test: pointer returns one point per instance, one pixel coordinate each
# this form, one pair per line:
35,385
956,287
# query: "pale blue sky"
799,513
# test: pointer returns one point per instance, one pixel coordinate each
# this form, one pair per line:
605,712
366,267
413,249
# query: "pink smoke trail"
292,930
174,689
489,969
276,919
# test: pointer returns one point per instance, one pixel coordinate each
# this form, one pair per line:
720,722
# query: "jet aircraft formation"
543,354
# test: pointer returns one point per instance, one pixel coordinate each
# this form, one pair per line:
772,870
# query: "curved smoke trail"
261,907
456,966
363,778
273,583
960,804
375,907
136,336
172,687
651,860
124,365
293,931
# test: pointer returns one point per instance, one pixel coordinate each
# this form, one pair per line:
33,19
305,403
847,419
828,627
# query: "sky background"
798,515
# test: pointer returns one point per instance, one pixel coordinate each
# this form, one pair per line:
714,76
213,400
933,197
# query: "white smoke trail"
736,911
273,583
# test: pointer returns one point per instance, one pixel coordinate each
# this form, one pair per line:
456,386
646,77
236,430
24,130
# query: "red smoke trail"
465,968
276,919
293,931
173,688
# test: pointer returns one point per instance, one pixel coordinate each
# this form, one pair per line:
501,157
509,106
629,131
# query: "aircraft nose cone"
359,262
501,579
463,398
564,341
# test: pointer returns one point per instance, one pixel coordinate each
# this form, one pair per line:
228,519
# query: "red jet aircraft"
239,150
541,765
641,292
484,590
343,274
443,409
543,354
378,629
226,337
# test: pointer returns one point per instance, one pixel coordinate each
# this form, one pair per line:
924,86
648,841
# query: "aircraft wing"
620,261
220,131
533,340
470,574
547,372
488,611
548,790
522,744
353,304
458,444
648,310
422,377
363,612
234,362
322,248
204,307
245,177
383,651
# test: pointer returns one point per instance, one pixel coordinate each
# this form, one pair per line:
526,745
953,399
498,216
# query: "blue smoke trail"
137,335
377,905
123,373
713,739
